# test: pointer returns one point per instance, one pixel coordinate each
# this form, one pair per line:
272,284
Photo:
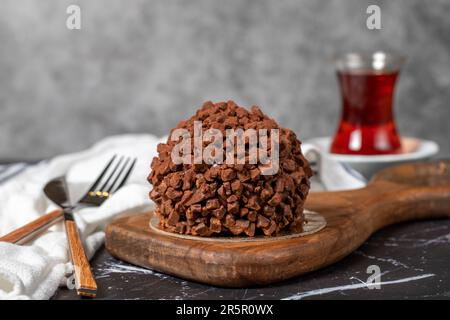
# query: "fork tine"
125,177
100,177
118,175
103,187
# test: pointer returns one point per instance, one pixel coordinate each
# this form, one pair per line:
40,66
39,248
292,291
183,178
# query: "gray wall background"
142,65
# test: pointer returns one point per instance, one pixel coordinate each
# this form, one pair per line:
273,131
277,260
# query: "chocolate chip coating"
230,199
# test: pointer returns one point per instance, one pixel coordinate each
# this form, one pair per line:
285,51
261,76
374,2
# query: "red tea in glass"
367,84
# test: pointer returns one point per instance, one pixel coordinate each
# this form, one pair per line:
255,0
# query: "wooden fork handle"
30,230
84,280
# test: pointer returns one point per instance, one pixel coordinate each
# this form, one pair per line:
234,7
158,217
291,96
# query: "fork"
95,196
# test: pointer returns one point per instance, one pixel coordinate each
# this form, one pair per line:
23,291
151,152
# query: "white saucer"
414,149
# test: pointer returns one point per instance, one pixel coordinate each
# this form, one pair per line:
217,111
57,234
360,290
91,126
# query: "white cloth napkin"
330,175
36,270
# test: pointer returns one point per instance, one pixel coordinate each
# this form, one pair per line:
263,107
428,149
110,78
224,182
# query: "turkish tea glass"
367,84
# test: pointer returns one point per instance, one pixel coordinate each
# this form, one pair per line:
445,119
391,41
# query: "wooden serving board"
406,192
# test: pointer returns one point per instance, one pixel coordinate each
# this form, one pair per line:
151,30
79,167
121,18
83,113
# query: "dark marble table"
414,260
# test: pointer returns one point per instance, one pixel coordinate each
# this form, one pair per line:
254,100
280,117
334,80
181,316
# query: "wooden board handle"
411,191
84,280
413,203
32,229
397,194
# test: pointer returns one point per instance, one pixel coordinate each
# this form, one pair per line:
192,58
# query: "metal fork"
111,179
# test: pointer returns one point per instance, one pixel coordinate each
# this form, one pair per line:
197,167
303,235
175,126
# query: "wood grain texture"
407,192
32,229
84,280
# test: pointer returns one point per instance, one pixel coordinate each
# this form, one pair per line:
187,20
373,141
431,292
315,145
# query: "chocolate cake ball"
207,199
